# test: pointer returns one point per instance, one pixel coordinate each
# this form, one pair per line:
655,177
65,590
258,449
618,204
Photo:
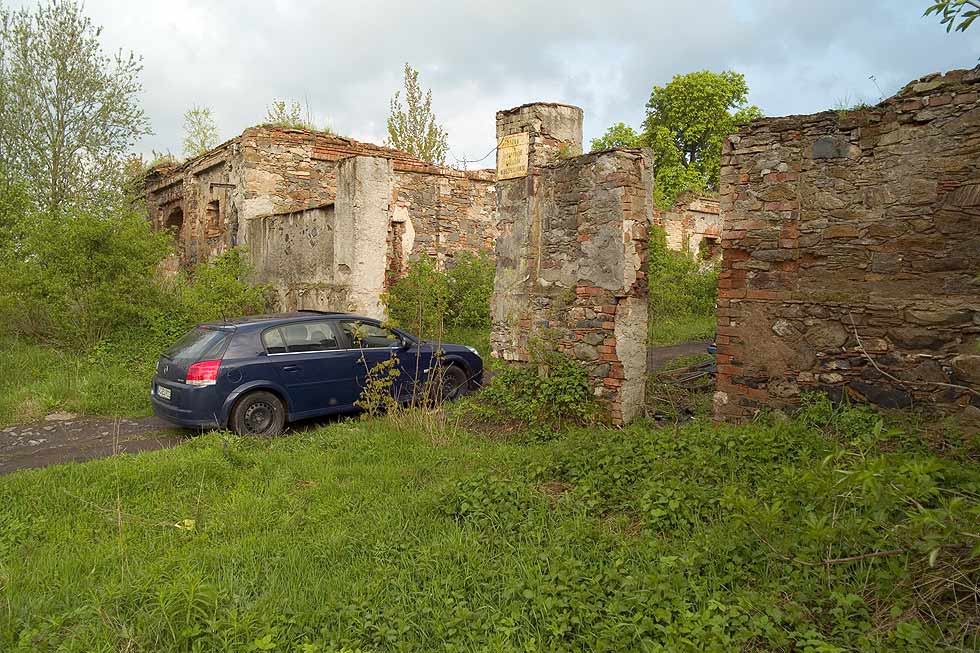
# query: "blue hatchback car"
254,374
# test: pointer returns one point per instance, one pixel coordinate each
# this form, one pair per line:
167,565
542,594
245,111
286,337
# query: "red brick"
765,294
732,293
607,357
609,325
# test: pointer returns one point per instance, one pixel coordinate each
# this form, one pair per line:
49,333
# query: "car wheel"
453,383
258,413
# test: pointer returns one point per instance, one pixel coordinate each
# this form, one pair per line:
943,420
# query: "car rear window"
199,344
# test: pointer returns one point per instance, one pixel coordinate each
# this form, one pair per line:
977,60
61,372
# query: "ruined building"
692,224
571,255
327,221
851,254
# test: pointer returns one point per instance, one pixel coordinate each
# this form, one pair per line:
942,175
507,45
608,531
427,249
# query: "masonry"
851,254
571,255
692,224
329,222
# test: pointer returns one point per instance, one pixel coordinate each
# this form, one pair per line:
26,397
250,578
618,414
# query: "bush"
72,279
430,301
683,292
550,391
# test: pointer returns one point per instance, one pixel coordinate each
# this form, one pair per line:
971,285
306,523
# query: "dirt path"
64,437
657,357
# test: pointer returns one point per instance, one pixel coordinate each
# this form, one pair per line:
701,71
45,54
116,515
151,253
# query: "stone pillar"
571,255
363,211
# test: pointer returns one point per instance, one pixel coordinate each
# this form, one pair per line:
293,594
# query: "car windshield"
199,343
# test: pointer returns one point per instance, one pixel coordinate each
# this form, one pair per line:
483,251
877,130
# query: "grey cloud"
346,58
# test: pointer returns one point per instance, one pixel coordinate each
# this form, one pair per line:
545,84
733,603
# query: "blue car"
254,374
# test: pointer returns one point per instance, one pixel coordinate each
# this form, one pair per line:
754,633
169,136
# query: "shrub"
430,301
72,279
551,390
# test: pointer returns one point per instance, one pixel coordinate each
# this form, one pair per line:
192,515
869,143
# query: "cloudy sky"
345,58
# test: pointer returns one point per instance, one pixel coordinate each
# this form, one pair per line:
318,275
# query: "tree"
687,120
69,111
619,135
951,10
200,132
414,128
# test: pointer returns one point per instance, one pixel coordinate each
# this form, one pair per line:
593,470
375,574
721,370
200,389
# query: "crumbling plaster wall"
851,253
571,255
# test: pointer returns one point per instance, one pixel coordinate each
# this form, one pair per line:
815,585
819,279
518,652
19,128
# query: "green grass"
405,534
671,330
36,380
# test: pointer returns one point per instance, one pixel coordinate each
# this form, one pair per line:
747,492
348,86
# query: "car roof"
278,318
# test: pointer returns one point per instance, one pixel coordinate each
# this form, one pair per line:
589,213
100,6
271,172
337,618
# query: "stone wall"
571,256
692,224
851,253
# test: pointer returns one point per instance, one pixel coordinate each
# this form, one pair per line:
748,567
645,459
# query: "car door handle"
290,368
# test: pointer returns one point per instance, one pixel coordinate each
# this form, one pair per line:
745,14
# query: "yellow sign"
512,156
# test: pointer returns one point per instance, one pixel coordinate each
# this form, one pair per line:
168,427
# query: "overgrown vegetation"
435,303
552,391
683,291
833,532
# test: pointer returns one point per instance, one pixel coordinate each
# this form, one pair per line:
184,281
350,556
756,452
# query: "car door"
376,344
313,366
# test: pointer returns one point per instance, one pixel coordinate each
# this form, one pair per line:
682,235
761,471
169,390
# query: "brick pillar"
571,255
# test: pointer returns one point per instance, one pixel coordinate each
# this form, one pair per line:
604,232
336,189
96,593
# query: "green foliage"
429,302
377,396
683,291
200,132
68,111
102,314
549,391
74,278
966,11
364,535
413,128
281,115
687,120
619,135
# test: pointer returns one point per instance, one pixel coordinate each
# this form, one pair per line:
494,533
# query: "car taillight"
203,373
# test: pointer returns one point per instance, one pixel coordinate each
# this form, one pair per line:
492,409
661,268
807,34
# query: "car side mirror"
405,344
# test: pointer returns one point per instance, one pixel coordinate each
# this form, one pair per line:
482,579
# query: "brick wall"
571,258
851,253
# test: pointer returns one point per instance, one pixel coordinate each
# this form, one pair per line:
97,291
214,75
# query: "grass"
671,330
36,380
409,534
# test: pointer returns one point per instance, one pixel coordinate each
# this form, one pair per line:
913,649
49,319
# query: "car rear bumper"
191,407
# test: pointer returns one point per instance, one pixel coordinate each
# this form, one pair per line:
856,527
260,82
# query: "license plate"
164,393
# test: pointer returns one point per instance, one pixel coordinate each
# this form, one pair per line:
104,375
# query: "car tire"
258,413
453,383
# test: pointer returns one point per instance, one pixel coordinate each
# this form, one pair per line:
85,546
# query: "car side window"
273,341
369,336
301,336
